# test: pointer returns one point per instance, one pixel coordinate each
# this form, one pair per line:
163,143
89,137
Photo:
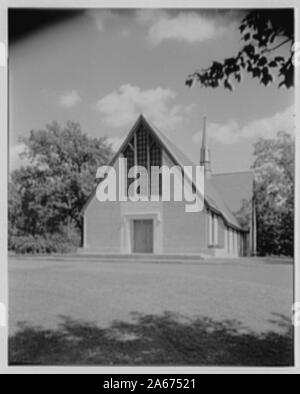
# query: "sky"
103,68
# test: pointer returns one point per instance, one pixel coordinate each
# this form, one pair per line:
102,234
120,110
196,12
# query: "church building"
164,227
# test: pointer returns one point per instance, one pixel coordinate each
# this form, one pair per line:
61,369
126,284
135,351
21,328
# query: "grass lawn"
87,313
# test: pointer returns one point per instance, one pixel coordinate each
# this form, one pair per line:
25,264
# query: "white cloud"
189,27
122,107
231,132
101,17
69,99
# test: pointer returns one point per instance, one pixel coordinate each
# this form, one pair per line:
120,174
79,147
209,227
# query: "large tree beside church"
274,194
47,195
274,190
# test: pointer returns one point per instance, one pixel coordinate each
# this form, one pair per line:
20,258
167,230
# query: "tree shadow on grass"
168,339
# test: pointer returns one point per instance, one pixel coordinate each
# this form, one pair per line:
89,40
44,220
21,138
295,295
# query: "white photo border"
4,138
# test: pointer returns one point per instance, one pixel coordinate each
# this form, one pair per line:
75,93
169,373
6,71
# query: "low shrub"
62,242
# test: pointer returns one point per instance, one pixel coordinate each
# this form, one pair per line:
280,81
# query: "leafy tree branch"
263,32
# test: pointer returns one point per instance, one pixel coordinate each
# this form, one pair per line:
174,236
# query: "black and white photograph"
151,187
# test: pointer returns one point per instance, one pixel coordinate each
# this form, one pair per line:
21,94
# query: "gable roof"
212,197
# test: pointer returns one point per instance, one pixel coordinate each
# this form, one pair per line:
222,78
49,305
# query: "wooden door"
143,236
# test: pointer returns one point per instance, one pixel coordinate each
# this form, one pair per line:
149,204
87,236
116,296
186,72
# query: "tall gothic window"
143,150
155,161
129,155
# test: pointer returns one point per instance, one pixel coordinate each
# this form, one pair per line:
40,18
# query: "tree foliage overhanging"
268,37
